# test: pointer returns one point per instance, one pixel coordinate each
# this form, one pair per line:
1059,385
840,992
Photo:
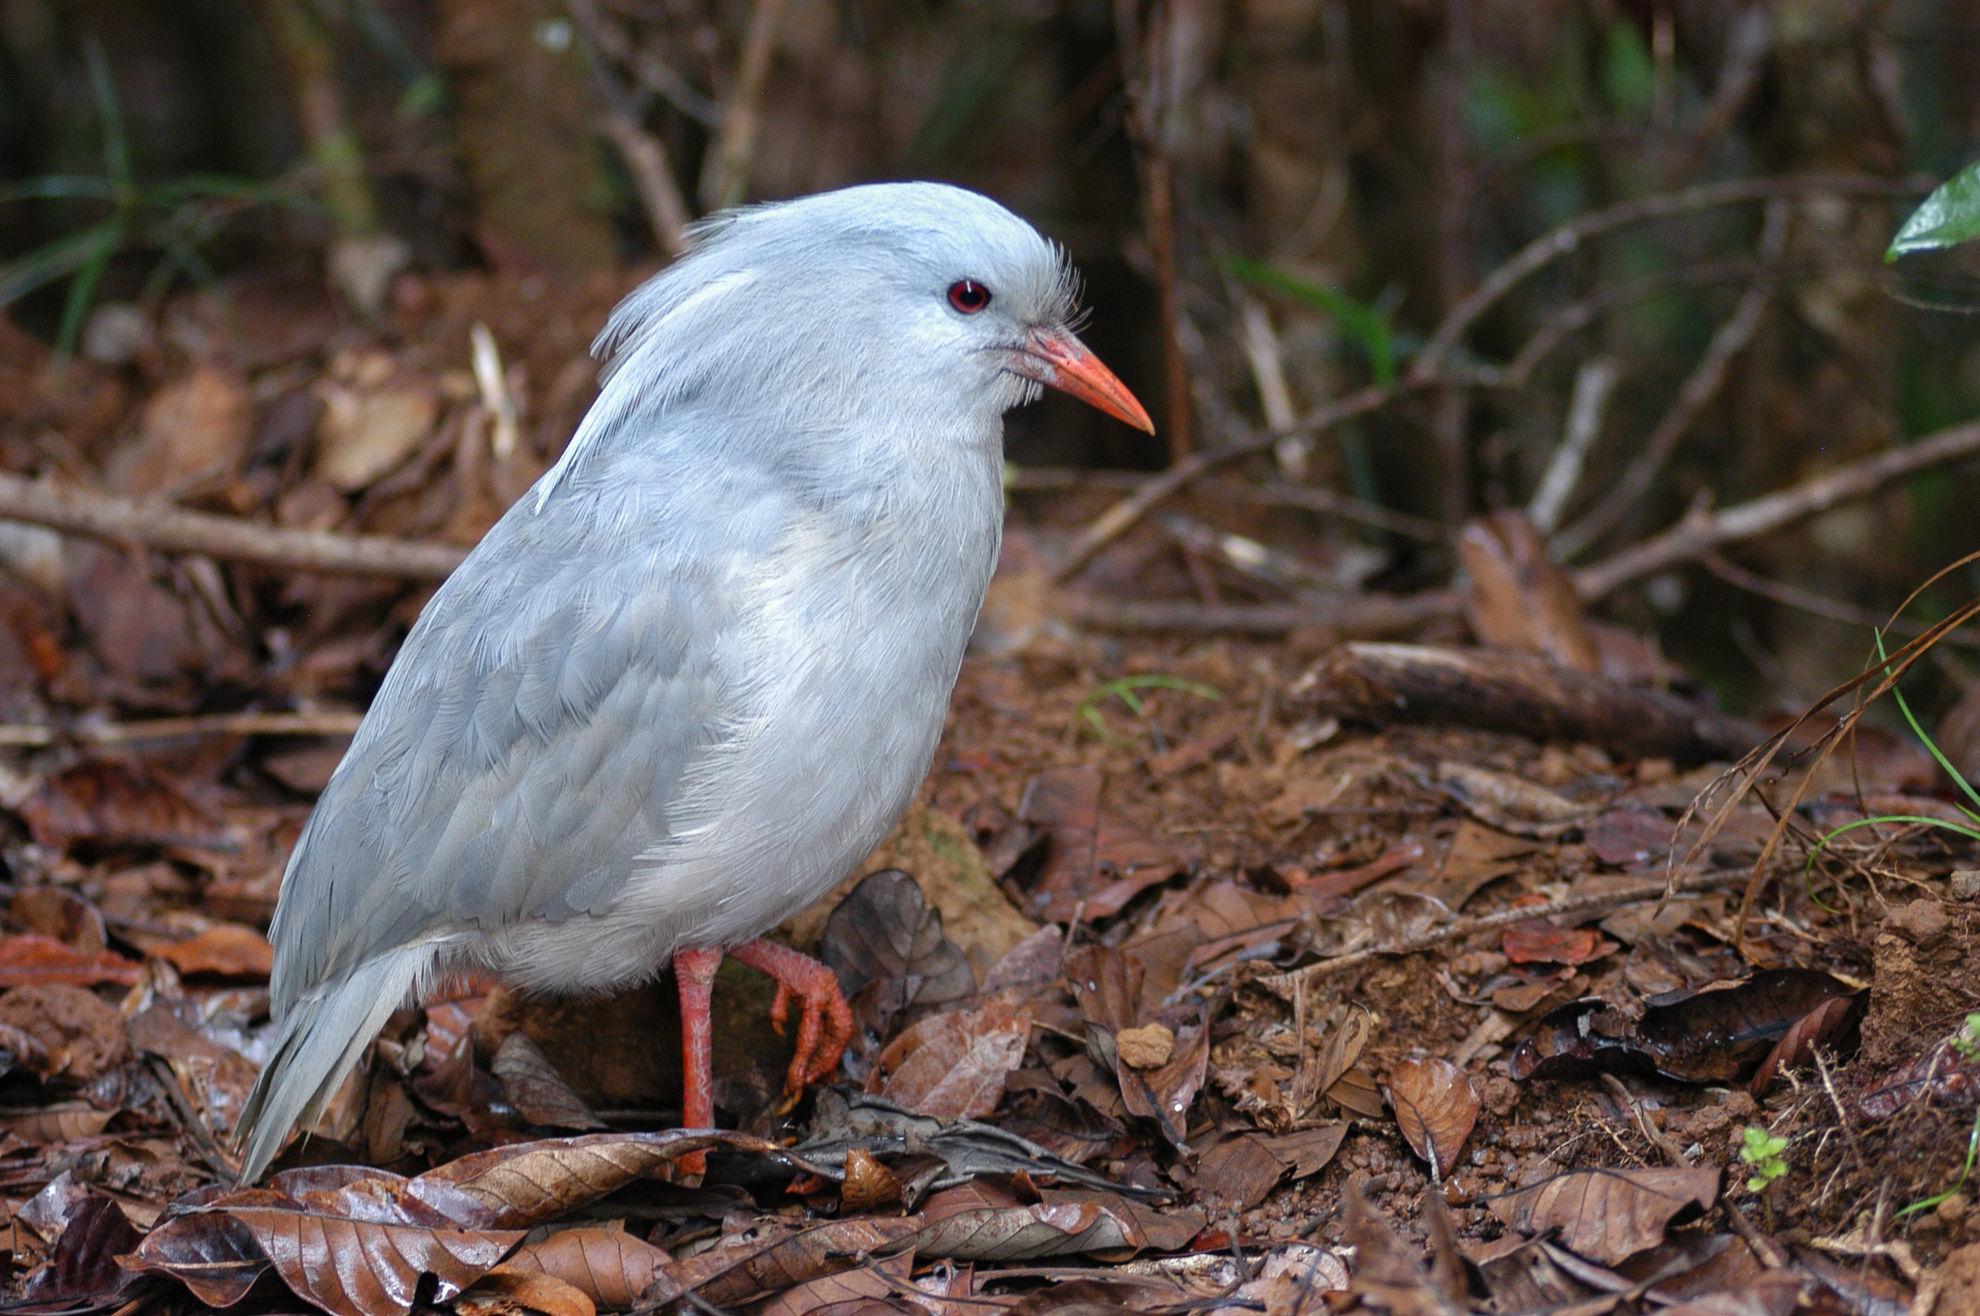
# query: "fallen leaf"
610,1266
1608,1215
1096,863
225,949
954,1063
1436,1107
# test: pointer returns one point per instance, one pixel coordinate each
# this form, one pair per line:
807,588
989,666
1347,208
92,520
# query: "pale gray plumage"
692,677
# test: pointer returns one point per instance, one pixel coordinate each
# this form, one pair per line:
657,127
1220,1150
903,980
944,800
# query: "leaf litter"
1268,1002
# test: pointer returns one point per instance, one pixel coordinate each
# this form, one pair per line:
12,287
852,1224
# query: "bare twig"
1567,907
1702,532
1353,616
1118,519
1567,238
1593,384
1820,605
117,520
30,735
1700,387
653,178
725,177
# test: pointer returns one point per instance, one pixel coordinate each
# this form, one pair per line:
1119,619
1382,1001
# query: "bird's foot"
825,1024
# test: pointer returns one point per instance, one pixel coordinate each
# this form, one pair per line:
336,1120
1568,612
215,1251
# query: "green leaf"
1951,215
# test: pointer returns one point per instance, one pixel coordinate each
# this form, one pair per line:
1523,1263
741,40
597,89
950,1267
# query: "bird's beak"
1053,356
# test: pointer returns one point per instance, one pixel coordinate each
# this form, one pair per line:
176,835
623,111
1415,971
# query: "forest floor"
1211,984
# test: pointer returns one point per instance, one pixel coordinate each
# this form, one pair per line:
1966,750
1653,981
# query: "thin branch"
1819,605
1121,517
1351,617
33,736
1700,387
121,521
725,177
652,177
1567,238
1702,532
1593,385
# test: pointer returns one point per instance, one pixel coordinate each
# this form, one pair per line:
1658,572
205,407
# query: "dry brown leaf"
609,1266
868,1185
533,1086
1607,1215
226,949
527,1183
75,1033
954,1063
1097,862
1063,1227
730,1276
862,1289
28,960
1436,1107
508,1291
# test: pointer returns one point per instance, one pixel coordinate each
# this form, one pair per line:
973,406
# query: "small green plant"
1762,1150
1127,690
174,218
1966,787
1967,1040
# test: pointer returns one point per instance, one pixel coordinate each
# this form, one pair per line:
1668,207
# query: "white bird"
697,672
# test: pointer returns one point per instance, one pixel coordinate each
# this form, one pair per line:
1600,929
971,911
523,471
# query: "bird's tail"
322,1036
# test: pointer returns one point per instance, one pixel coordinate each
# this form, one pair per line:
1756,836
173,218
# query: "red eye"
969,296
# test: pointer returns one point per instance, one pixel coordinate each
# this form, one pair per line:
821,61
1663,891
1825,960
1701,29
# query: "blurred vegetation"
1275,203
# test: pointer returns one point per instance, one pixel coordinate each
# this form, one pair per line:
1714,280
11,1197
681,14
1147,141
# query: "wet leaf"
1436,1107
869,1289
84,1266
1608,1215
370,1269
210,1252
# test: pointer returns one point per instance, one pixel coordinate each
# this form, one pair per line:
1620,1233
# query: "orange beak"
1056,358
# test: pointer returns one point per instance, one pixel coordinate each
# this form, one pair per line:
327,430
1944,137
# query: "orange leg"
694,975
826,1024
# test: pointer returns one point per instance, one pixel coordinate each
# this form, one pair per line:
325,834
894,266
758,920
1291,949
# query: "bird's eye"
968,296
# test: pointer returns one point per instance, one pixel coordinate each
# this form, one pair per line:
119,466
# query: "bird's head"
917,296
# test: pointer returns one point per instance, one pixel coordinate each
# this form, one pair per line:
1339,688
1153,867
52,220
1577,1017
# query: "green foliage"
1938,756
174,218
1967,1040
1761,1151
1365,324
1948,217
1629,74
1126,689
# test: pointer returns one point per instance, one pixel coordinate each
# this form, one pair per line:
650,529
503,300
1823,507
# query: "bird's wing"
525,747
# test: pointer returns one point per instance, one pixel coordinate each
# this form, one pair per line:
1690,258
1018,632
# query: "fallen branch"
1521,694
1353,616
123,521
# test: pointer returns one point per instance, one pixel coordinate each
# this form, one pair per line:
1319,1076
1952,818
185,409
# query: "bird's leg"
694,977
824,1027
